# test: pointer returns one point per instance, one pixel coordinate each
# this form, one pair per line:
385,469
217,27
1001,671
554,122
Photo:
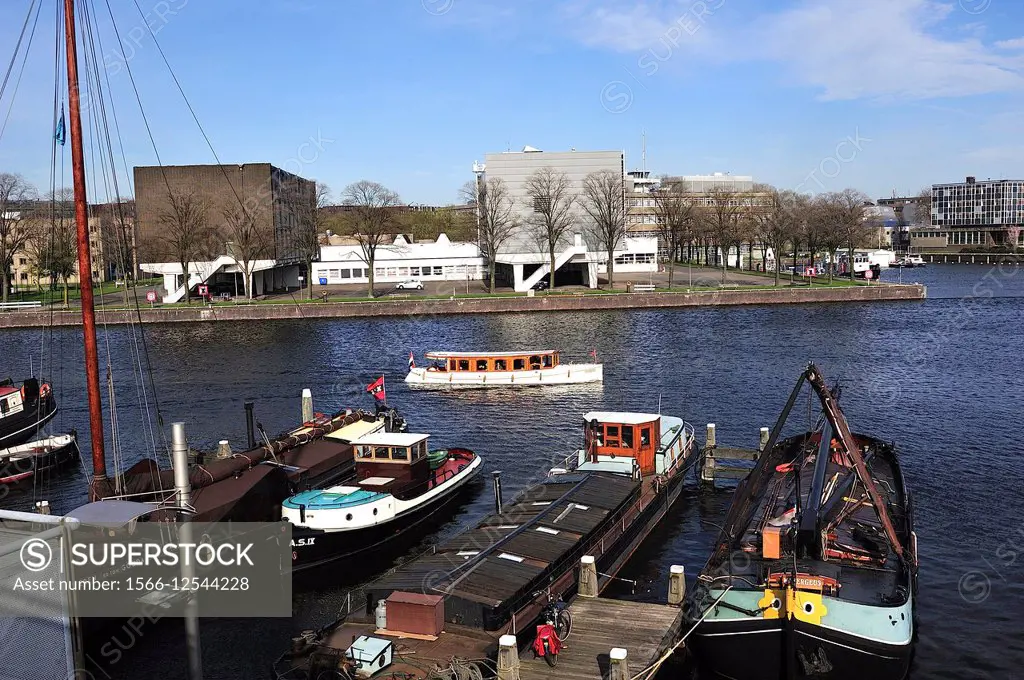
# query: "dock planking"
646,631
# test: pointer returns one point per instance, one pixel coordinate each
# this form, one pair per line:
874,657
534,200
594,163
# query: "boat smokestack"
497,491
250,426
179,460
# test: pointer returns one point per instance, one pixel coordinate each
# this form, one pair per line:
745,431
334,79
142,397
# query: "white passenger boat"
500,369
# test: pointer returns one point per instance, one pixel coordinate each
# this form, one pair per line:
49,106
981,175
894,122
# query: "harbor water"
941,377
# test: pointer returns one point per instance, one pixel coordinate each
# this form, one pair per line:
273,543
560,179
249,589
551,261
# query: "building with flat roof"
523,260
439,260
279,203
972,213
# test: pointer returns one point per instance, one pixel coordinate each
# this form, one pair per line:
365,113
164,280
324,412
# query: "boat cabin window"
500,365
364,451
399,453
463,364
381,452
481,364
518,364
548,361
627,436
645,437
534,362
451,364
3,406
420,451
611,435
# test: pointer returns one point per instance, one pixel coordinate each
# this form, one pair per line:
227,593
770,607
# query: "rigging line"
21,71
190,109
163,173
17,48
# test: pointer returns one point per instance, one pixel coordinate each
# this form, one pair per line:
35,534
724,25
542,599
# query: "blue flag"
61,134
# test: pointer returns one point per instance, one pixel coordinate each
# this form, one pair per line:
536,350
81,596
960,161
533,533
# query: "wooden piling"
307,405
223,449
710,442
676,584
508,658
588,577
618,666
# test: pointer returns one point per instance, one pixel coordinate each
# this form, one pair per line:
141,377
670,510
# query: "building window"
335,274
22,261
438,271
24,276
414,271
541,204
378,271
392,271
403,271
346,273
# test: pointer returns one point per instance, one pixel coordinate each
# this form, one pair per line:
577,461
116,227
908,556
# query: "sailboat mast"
92,368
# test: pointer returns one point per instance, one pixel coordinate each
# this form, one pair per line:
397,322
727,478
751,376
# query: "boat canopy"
390,439
113,512
474,355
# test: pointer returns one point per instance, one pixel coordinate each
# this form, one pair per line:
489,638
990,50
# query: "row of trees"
706,227
42,229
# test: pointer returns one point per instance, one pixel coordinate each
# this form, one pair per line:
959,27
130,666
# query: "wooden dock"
645,631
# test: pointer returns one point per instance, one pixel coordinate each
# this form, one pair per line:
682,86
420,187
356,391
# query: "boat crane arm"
842,430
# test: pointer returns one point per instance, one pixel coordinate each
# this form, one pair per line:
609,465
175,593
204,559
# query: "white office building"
440,260
523,260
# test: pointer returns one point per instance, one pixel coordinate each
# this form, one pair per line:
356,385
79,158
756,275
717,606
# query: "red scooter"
554,629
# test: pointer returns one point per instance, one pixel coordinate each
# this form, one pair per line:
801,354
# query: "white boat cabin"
392,462
11,401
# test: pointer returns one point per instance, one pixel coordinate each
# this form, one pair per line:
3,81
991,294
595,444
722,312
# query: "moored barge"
500,369
815,571
494,579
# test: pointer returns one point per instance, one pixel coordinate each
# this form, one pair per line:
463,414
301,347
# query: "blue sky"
879,95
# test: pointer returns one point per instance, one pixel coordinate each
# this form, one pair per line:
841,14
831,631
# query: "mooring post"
250,427
619,665
765,433
508,658
588,577
707,471
307,405
223,449
497,491
676,584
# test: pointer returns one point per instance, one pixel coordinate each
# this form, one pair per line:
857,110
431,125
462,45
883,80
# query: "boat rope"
650,671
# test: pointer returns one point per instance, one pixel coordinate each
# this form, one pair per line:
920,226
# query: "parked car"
410,284
542,284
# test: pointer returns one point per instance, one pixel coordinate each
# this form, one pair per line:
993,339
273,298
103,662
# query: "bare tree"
250,239
778,222
497,218
15,227
553,203
722,217
313,220
119,237
604,201
676,216
186,231
372,218
854,221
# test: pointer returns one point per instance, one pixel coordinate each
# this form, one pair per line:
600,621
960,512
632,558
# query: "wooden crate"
415,613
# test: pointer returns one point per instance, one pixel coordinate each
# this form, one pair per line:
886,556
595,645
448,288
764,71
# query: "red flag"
593,353
376,388
412,361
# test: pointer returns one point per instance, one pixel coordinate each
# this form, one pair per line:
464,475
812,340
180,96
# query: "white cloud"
1014,44
848,49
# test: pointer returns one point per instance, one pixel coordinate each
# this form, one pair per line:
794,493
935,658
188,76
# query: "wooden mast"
99,485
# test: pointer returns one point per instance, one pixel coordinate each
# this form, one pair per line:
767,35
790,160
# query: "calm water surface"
941,377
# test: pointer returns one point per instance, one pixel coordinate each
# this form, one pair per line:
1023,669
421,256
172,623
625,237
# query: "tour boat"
500,369
449,607
815,571
399,484
24,410
25,461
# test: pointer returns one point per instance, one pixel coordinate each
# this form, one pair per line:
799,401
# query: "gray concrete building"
523,260
973,214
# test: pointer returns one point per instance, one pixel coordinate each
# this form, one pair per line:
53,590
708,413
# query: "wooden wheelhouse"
493,362
392,462
613,436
